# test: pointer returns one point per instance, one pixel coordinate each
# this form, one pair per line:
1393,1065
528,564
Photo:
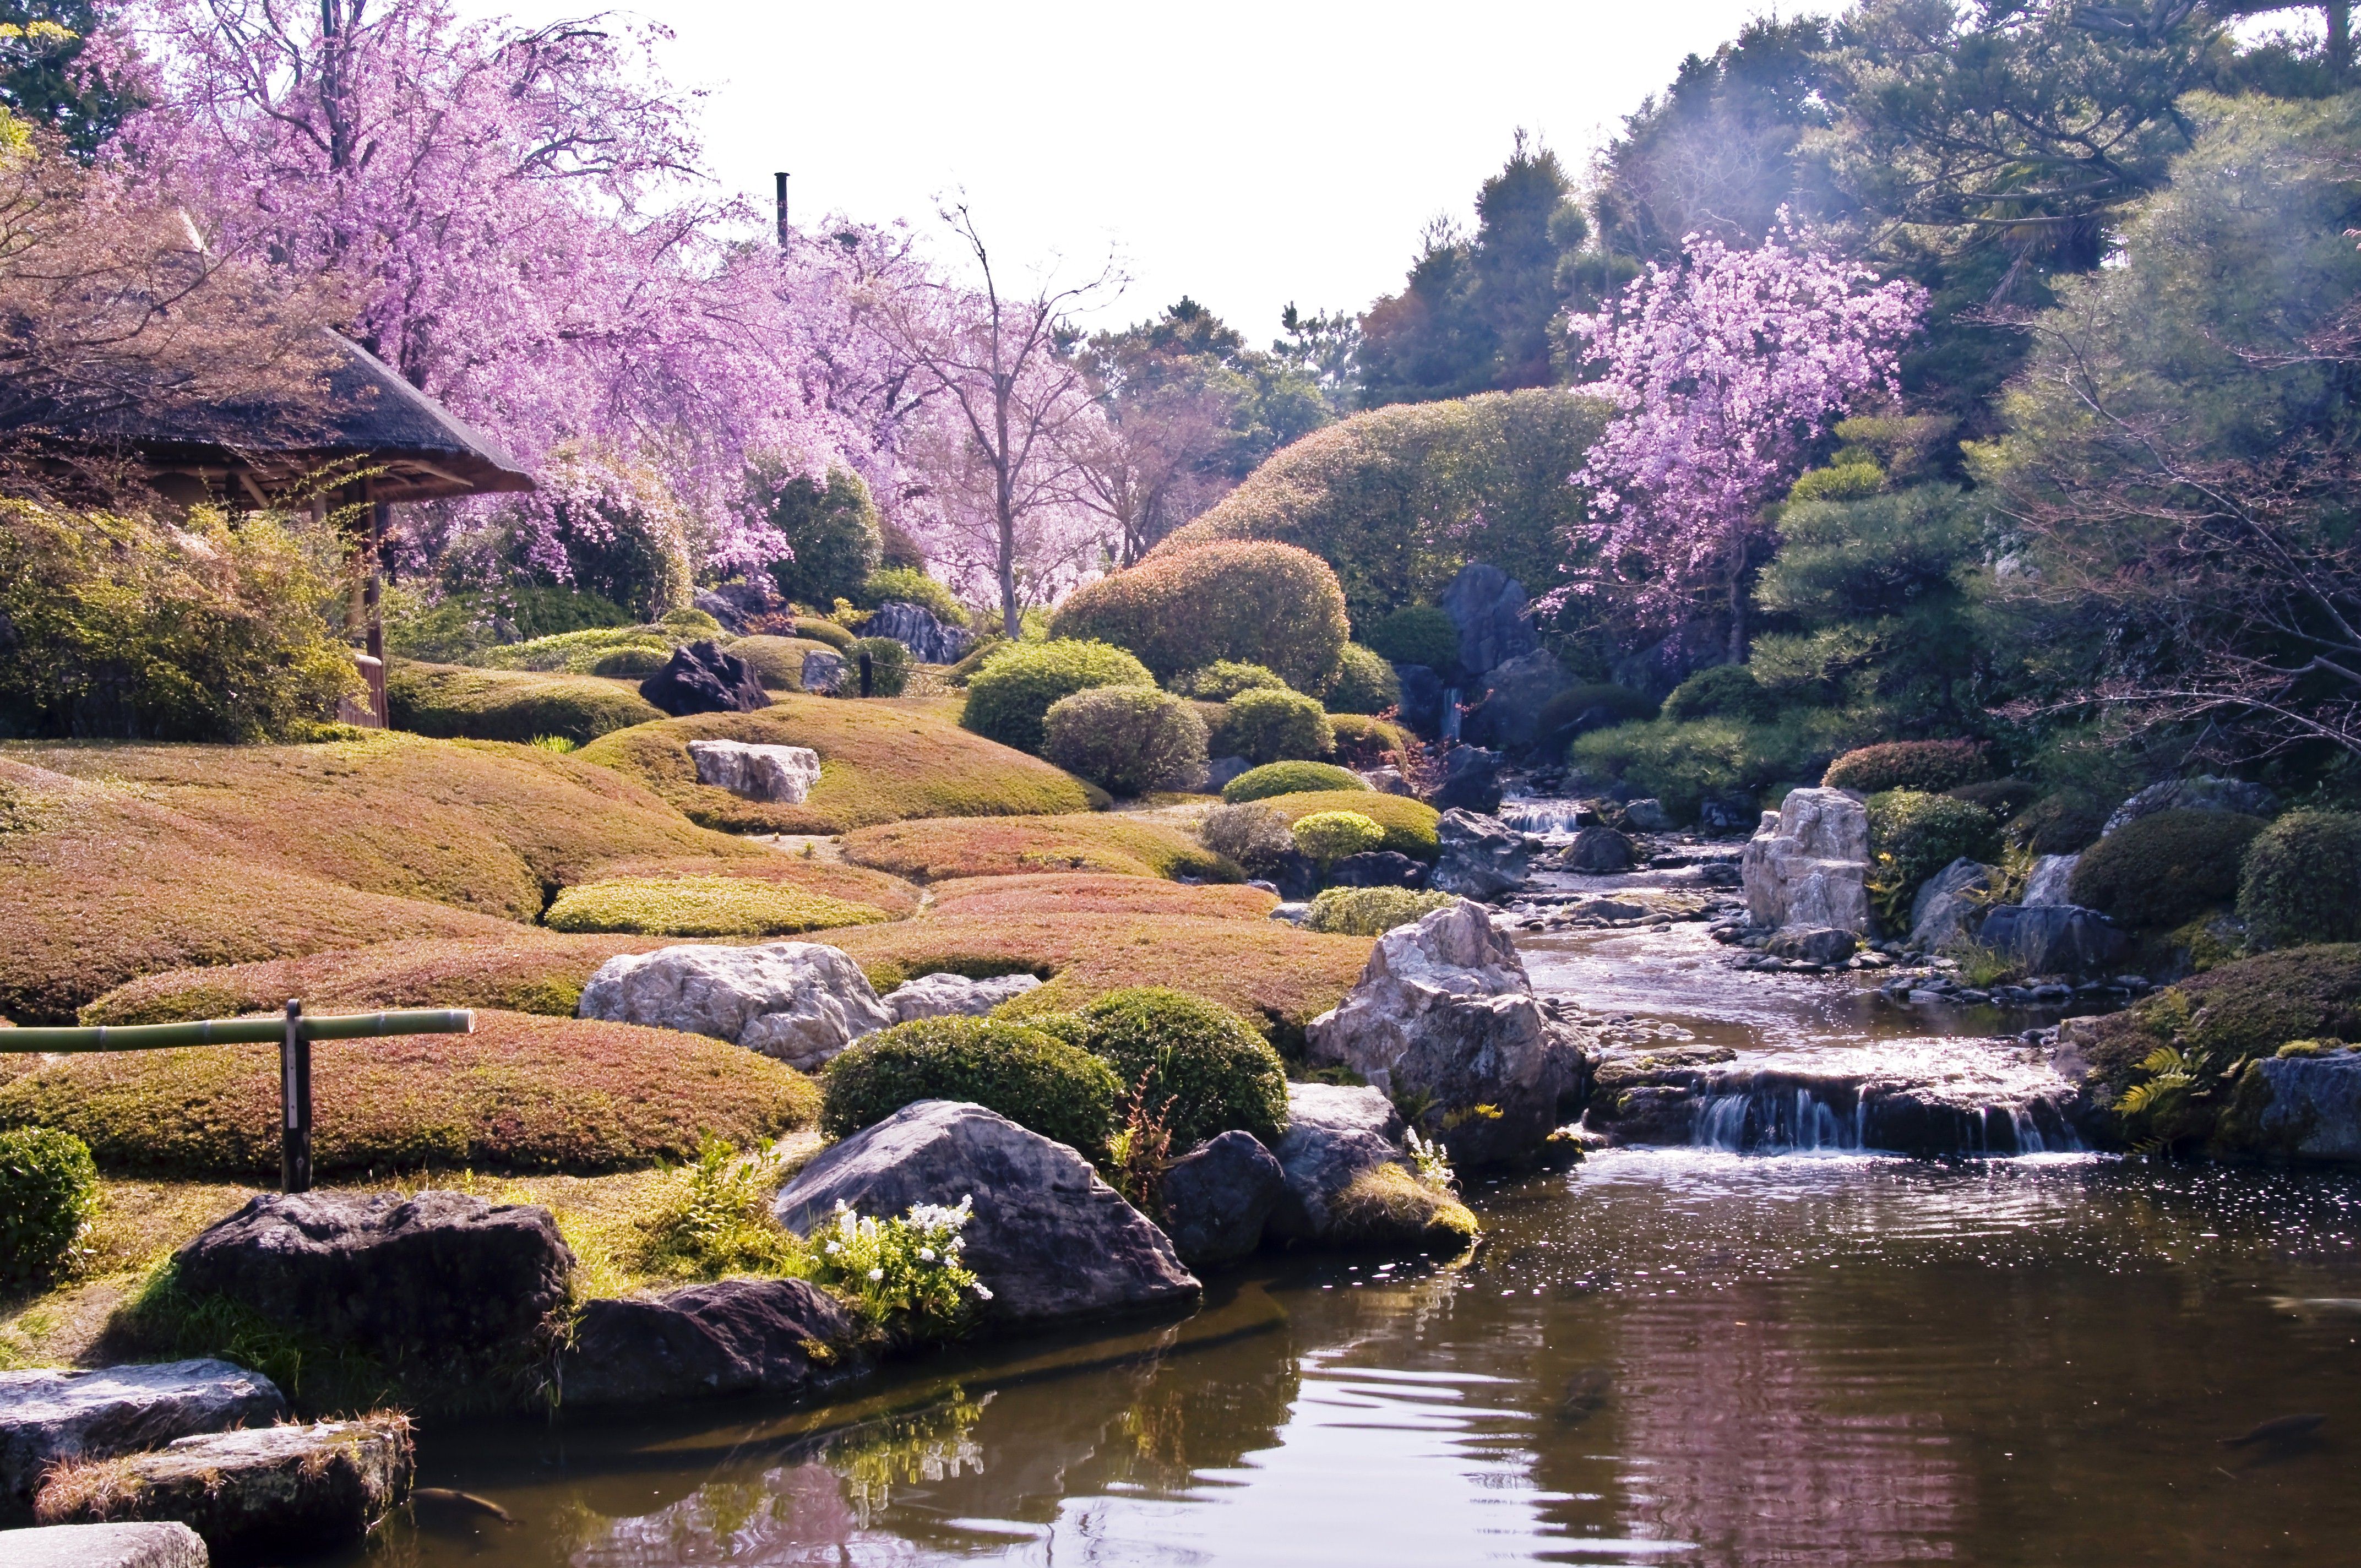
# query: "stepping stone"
103,1546
48,1416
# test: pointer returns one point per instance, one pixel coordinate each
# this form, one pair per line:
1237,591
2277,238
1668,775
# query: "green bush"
1366,742
1370,911
452,703
1266,604
48,1195
1365,683
1288,778
1253,836
1681,763
1930,767
454,628
2164,868
638,660
1416,634
1126,740
1328,836
2005,799
2057,824
1225,678
1913,835
889,666
833,527
819,630
581,652
1216,1073
1033,1079
2300,881
1273,727
1009,697
1725,691
1623,705
905,584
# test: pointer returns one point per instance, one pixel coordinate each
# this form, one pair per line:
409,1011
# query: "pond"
1664,1355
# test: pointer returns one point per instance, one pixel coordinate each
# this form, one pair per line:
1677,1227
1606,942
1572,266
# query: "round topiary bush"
1370,911
1913,835
1725,691
1273,727
48,1195
1288,778
1255,837
1216,1072
1033,1079
2057,824
1012,693
1328,836
1272,605
1225,678
1416,634
635,661
2165,868
1363,741
1126,740
814,629
889,666
1365,683
1927,766
2300,881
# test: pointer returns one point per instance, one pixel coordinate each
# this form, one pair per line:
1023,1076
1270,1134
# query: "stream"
1736,1350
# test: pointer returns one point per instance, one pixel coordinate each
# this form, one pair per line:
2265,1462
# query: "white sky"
1248,154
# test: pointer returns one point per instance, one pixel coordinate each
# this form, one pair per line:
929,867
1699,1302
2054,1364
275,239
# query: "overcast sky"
1248,154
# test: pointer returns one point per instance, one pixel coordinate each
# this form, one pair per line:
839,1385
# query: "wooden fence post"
295,1103
868,671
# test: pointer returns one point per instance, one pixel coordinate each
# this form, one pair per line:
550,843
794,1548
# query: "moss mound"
2165,868
1930,767
1370,911
1389,1207
521,1093
937,848
1241,601
1035,1080
1409,825
1289,778
701,907
1074,893
1193,1060
2300,881
451,702
779,661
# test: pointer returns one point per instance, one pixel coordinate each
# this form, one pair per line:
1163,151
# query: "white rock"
54,1415
945,995
781,774
1808,863
171,1545
2045,885
797,1001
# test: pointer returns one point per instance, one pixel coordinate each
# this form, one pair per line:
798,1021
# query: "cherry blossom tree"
1725,367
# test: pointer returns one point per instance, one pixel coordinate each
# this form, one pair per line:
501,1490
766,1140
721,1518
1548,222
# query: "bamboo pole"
237,1032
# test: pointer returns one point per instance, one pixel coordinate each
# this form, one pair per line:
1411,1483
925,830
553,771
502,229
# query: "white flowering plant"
905,1276
1431,1164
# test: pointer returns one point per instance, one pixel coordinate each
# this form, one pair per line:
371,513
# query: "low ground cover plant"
1249,602
2166,868
611,651
1370,911
901,1274
701,907
1289,778
936,848
1265,726
1010,695
452,703
2300,880
1032,1078
1126,740
1085,893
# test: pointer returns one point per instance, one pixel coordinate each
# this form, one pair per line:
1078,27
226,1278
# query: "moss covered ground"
940,848
457,702
1409,825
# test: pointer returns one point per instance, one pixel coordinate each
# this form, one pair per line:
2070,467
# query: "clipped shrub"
1416,634
1366,742
1913,835
1409,823
637,660
1725,691
1365,683
908,584
1225,678
2002,797
1620,703
1126,740
1328,836
701,907
451,703
1273,727
1370,911
779,660
1272,605
1011,694
1289,778
2300,881
833,529
2166,868
1033,1079
1930,767
1198,1060
889,665
1255,837
49,1196
814,629
2058,824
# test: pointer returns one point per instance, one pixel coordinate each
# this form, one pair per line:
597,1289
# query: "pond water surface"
1675,1355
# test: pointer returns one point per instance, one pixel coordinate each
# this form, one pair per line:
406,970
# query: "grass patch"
1409,825
986,847
881,761
452,702
1099,893
828,878
701,907
1387,1206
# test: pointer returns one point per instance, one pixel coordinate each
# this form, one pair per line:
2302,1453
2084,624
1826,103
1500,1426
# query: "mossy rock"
452,703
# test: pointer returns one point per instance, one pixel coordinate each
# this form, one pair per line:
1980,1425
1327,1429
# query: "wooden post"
295,1103
381,520
781,178
867,673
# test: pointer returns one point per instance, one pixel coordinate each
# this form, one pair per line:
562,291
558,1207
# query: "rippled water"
1660,1356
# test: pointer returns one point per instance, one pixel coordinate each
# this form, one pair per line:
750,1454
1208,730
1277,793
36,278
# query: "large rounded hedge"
1928,766
1010,696
1126,740
1365,683
1288,778
2165,868
1218,1073
1262,604
1273,727
1033,1079
2300,880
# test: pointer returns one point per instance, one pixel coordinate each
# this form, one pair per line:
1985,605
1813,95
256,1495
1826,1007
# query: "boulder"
944,996
1514,692
1293,913
1482,856
1421,704
800,1002
1647,814
1826,945
736,604
1295,874
48,1417
251,1495
2045,884
1807,864
701,678
1471,781
783,773
773,1337
1386,781
2055,938
1217,1197
1599,851
1378,868
1443,1015
2205,792
2305,1105
1944,910
1496,624
1222,770
1350,1180
825,672
1052,1242
929,641
106,1546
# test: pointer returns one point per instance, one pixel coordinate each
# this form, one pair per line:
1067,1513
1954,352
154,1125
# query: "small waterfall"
1542,815
1450,721
1777,1121
1773,1113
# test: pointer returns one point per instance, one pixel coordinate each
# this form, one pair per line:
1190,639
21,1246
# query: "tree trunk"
1738,596
2340,41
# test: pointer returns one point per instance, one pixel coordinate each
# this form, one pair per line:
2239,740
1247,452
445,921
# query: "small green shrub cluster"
1327,837
907,585
889,666
1009,697
701,907
713,1220
2058,824
2300,880
455,703
1288,778
1126,740
1272,605
48,1195
1682,764
1913,835
1930,767
1725,691
1196,1061
903,1276
814,629
1033,1079
1273,727
1416,634
1254,837
1365,683
1225,678
2166,868
1370,911
454,628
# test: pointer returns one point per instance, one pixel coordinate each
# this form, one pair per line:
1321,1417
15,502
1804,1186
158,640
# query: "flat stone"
1481,856
781,774
51,1416
104,1546
949,996
1218,1196
1386,781
799,1002
773,1337
701,678
250,1495
1807,864
1052,1242
1293,913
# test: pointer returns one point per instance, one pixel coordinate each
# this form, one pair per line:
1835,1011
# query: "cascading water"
1543,817
1780,1113
1450,721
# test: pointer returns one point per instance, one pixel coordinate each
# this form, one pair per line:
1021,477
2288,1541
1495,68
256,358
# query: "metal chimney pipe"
781,178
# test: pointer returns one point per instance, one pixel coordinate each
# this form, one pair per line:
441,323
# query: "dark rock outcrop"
1514,693
736,604
1599,851
1482,856
2205,792
2054,939
2303,1105
1421,704
1471,781
1824,945
775,1337
701,678
929,641
1350,1180
1946,910
1218,1196
1378,868
1495,622
50,1417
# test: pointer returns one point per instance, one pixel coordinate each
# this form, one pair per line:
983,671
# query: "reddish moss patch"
989,847
1084,894
831,879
